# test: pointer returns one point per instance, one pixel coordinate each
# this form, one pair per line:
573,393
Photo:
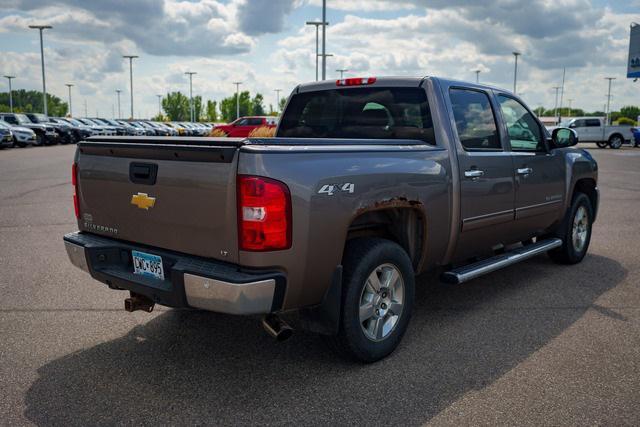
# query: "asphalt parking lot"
537,343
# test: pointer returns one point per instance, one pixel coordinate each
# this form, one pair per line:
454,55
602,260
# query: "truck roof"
398,81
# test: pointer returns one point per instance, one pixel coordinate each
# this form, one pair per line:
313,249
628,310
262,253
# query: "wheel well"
403,225
588,187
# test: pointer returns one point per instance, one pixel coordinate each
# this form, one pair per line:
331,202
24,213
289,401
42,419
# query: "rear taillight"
356,81
264,214
74,182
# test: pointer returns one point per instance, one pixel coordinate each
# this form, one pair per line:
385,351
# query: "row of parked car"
38,129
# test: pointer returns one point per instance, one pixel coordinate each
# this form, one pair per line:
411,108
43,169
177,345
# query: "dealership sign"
633,66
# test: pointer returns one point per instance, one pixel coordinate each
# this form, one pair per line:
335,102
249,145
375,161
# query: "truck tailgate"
175,194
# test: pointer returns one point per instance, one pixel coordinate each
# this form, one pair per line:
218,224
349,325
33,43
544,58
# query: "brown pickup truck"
368,182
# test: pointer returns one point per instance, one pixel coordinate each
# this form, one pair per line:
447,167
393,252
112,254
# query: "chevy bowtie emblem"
143,201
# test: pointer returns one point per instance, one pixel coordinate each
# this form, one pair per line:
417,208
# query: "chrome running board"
480,268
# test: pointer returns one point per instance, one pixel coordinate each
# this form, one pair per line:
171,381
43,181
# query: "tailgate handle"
143,173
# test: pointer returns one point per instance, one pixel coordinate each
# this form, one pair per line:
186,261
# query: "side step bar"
477,269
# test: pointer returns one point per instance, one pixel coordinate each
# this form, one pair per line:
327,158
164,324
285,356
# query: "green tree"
228,106
176,106
197,108
630,112
283,103
212,111
257,105
30,101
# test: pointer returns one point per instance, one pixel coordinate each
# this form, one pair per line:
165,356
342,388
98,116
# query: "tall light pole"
190,74
131,58
555,106
324,40
515,72
159,105
10,93
277,91
118,96
70,85
570,101
564,71
41,28
317,24
324,59
609,97
341,71
477,75
237,99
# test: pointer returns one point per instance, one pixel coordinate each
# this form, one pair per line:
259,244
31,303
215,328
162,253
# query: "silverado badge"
143,201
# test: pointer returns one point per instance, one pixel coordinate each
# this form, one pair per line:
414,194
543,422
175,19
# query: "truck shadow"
188,367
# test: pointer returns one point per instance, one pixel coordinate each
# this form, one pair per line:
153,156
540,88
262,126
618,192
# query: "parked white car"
594,129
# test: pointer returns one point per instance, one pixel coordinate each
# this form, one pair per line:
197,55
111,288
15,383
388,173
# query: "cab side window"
475,122
593,123
524,131
242,122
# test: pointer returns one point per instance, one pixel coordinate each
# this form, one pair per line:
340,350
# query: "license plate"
147,265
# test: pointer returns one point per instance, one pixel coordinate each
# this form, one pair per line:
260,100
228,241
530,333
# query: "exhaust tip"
276,327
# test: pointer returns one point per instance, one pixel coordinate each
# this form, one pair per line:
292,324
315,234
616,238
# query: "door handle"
473,173
524,171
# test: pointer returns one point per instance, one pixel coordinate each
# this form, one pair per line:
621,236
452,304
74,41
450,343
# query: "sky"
266,45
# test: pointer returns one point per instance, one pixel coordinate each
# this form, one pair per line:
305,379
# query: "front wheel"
377,299
615,141
602,144
575,232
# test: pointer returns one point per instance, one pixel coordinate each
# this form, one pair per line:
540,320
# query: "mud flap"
324,318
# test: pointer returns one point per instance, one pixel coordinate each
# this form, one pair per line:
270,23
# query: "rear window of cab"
359,113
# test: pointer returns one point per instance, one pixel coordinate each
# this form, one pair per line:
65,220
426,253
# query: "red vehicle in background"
243,126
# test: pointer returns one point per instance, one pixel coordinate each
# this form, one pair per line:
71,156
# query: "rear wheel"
615,141
575,232
377,299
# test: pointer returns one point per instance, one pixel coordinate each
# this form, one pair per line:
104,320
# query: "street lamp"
10,93
341,71
570,101
159,105
190,74
70,85
609,97
41,28
555,106
131,58
317,25
477,75
324,40
118,95
277,91
515,71
237,99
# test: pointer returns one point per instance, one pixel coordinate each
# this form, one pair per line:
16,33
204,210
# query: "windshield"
565,124
367,113
23,119
74,122
4,125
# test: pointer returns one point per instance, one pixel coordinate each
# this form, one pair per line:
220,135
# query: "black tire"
602,144
21,144
616,141
364,257
39,139
570,252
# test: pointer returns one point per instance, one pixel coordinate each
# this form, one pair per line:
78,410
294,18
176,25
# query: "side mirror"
563,137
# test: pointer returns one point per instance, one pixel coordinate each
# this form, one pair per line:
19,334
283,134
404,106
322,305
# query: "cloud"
157,27
260,17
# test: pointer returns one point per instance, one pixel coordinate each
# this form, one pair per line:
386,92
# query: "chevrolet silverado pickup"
368,182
